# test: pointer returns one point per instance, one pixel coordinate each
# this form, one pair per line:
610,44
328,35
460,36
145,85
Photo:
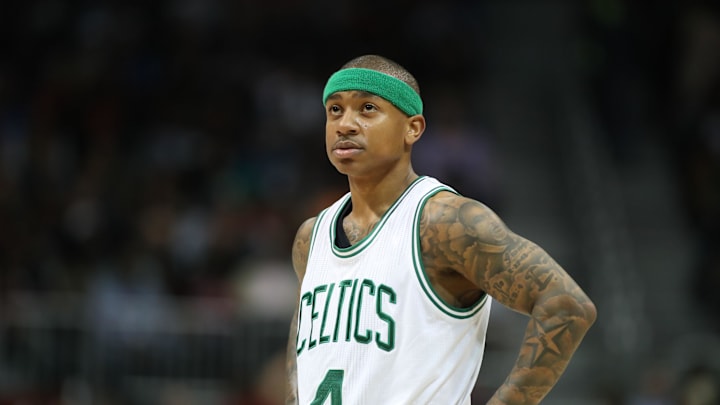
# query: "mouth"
344,149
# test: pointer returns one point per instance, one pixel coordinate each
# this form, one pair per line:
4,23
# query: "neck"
372,197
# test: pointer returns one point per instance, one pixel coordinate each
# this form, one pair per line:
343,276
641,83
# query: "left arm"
468,237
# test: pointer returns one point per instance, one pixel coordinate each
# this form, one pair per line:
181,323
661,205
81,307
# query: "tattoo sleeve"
300,252
467,236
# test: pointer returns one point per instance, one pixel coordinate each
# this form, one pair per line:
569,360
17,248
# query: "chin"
346,167
342,168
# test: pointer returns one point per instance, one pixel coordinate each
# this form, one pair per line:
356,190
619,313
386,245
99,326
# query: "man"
396,277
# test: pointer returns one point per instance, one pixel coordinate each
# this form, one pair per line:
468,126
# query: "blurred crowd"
168,143
655,74
659,74
163,151
171,149
697,140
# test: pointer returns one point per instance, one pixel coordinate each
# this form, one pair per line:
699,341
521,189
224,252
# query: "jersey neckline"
367,239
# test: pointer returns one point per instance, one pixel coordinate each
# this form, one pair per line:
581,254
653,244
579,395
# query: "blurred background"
157,157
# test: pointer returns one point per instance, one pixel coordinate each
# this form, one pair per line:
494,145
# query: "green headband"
394,90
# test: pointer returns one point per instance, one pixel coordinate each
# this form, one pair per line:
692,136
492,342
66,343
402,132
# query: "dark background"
156,159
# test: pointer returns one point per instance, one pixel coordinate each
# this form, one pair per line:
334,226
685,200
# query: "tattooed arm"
300,251
466,236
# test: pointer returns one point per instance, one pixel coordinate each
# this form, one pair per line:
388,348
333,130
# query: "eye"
334,109
369,107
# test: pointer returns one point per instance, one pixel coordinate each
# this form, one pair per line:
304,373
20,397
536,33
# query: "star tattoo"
543,341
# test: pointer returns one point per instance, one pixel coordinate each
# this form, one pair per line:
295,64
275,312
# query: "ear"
415,129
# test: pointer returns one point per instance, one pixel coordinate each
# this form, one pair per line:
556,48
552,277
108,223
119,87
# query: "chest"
355,231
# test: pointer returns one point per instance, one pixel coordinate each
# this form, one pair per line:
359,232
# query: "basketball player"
397,276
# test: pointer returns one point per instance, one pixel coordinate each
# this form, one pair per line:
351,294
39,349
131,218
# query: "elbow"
575,308
581,309
590,312
584,311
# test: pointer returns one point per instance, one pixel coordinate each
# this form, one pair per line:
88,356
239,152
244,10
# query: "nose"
347,124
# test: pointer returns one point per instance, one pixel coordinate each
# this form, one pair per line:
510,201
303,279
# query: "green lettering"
313,315
343,285
325,339
330,386
389,345
350,307
368,334
306,297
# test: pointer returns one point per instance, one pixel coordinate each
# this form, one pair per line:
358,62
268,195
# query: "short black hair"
384,65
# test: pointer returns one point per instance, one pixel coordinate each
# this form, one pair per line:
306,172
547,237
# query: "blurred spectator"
266,288
128,313
697,142
456,149
699,386
655,387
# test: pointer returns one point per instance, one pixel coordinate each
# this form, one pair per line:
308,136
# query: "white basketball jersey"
371,329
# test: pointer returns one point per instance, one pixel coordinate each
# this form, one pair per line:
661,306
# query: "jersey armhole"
421,273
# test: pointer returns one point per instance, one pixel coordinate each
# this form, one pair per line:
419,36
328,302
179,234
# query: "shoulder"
462,235
467,237
463,245
456,216
305,229
301,246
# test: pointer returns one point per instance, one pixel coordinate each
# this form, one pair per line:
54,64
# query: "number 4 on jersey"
331,386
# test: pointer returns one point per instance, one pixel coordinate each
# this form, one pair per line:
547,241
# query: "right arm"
300,252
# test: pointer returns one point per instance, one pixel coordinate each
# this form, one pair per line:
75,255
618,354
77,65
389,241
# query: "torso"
371,310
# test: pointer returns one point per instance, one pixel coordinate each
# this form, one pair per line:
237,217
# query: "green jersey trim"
365,241
450,310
